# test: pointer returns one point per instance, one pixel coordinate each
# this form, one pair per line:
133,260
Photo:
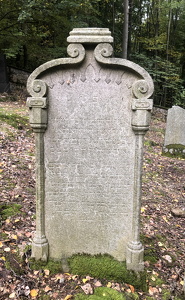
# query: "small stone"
168,258
178,212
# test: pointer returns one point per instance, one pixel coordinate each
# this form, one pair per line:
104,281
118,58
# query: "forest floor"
162,233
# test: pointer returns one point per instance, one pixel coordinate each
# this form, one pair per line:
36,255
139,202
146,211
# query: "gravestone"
89,112
4,82
174,142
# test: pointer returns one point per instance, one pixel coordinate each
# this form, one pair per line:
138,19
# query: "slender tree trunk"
125,28
129,28
168,33
167,47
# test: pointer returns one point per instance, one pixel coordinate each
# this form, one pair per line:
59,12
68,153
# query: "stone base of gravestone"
174,150
4,82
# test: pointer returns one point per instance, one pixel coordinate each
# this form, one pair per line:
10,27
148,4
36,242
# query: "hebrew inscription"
89,167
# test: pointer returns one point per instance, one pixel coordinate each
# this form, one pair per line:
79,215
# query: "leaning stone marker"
89,112
174,143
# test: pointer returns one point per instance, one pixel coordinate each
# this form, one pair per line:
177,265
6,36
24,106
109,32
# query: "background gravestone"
4,82
89,113
174,142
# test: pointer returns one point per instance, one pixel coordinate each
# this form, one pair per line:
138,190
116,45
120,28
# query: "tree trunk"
125,28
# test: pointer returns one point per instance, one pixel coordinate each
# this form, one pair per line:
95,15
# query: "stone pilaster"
140,124
38,121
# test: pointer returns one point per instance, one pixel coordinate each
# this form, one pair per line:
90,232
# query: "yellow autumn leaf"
182,282
14,236
165,219
68,297
46,272
109,284
84,280
36,272
143,209
34,293
1,244
17,220
3,258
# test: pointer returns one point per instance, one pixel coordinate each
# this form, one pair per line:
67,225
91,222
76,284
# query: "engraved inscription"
89,160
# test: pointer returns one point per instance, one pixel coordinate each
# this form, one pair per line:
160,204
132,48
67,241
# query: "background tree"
35,31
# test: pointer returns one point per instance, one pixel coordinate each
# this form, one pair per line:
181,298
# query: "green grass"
14,120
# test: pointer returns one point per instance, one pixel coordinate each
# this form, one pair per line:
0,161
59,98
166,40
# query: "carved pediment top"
141,88
37,87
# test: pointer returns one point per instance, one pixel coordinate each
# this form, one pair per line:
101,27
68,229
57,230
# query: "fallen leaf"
47,289
85,280
109,284
1,244
87,288
34,293
14,236
68,297
3,258
36,272
17,220
12,295
143,209
98,283
132,288
153,290
165,219
46,272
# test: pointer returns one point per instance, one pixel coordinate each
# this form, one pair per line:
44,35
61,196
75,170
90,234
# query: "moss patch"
8,210
53,266
174,150
105,266
107,294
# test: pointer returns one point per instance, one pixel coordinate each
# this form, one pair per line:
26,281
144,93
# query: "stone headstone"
174,142
89,112
4,82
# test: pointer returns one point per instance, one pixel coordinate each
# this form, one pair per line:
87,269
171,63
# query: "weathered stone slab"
89,113
174,142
